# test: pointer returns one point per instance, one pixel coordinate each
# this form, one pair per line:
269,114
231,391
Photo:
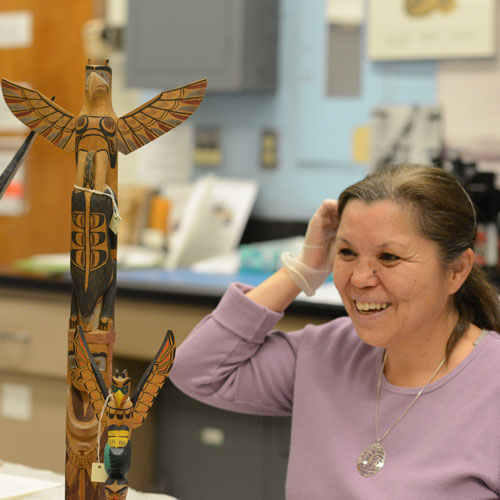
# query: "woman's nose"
364,274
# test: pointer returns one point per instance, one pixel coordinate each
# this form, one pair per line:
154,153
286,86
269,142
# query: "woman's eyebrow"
390,243
342,239
380,247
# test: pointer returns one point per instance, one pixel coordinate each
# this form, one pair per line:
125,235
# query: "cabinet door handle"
23,337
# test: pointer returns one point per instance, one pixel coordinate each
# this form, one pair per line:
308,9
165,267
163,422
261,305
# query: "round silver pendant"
371,460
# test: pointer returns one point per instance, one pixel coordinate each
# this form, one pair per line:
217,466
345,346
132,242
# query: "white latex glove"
310,269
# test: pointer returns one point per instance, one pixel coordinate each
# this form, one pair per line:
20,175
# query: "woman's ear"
460,269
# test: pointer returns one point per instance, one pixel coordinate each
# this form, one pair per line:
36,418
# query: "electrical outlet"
269,149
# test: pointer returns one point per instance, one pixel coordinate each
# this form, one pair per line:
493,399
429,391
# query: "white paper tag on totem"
114,223
99,474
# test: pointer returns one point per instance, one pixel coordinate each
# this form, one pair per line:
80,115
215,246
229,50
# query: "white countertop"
21,482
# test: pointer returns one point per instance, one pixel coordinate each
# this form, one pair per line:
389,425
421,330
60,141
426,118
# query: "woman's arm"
233,359
277,292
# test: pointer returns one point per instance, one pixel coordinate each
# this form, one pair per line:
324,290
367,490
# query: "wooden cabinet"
34,325
232,43
54,64
231,455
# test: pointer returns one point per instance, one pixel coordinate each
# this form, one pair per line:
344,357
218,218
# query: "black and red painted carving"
125,411
95,135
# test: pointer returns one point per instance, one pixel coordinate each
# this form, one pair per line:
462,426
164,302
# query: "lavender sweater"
446,448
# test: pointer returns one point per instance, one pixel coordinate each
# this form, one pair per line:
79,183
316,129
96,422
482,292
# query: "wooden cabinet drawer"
141,325
38,440
34,325
33,333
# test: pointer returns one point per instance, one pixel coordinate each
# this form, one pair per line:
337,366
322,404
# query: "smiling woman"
433,210
410,281
409,369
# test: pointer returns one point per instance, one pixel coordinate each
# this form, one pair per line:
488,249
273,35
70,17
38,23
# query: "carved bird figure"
96,135
123,412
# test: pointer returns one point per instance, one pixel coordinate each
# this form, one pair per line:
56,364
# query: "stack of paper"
15,487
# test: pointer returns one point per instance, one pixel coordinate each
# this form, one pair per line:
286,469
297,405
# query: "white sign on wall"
416,29
16,29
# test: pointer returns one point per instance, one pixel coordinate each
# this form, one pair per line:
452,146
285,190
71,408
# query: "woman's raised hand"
310,269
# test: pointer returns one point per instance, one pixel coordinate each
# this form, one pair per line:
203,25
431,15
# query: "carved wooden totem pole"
95,135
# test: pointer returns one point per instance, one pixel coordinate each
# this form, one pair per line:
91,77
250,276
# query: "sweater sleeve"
232,360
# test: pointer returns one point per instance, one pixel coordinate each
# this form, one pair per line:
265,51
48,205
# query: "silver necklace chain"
380,439
372,459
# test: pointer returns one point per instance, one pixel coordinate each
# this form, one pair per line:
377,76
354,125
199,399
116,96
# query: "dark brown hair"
446,215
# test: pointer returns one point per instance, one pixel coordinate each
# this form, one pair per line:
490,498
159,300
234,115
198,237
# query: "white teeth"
371,306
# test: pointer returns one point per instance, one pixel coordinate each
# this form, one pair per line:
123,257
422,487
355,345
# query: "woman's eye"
347,253
389,257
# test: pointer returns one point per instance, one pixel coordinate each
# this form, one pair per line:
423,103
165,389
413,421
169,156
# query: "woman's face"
390,276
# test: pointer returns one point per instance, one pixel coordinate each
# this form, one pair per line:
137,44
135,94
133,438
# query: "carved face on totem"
120,387
116,489
97,78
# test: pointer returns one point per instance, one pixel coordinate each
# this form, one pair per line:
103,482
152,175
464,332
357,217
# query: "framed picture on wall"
431,29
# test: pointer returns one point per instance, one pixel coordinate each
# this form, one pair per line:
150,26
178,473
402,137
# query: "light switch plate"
208,148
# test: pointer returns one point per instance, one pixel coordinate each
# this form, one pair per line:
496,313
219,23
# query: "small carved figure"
123,412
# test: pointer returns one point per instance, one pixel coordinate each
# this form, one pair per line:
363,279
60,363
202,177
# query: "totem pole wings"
135,129
41,114
159,115
91,378
153,379
148,387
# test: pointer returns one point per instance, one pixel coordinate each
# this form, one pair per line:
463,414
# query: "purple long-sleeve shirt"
447,447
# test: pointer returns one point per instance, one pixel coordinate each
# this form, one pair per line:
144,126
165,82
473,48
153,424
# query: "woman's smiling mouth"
370,307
